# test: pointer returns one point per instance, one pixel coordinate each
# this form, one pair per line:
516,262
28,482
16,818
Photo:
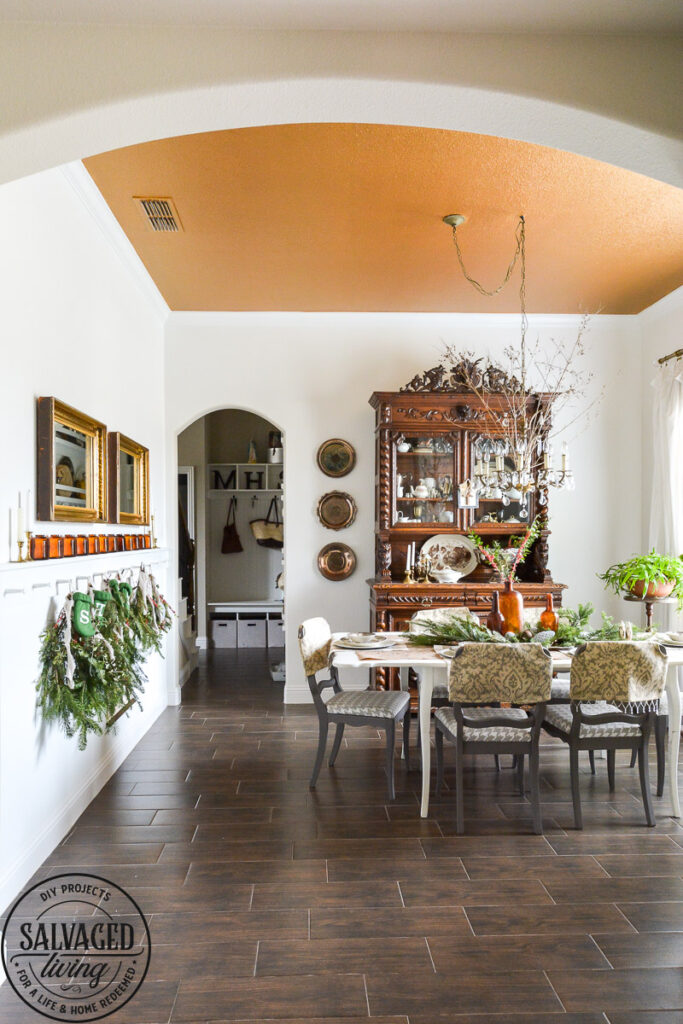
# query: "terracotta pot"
511,608
654,590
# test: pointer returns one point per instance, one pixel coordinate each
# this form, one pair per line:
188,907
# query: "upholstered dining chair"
615,688
418,621
381,709
481,677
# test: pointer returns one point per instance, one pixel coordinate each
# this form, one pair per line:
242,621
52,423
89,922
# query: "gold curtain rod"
672,355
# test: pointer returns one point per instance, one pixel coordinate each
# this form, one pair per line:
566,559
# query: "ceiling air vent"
160,213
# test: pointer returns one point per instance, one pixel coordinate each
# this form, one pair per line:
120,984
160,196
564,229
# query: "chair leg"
391,739
520,773
591,758
576,792
535,791
337,743
322,743
643,771
438,742
459,791
496,760
611,760
634,758
406,738
661,723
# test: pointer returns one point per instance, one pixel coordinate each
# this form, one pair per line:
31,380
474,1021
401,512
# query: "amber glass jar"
93,544
55,546
147,541
69,545
512,609
38,547
495,621
549,618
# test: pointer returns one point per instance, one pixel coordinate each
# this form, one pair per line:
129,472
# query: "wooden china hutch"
425,436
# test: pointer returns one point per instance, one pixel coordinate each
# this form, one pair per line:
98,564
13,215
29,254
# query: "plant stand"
649,603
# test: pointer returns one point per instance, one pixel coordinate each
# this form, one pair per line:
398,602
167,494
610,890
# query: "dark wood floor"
267,901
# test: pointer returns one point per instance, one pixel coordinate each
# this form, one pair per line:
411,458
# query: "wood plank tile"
427,871
333,849
188,897
639,867
521,991
343,956
654,917
381,921
174,853
650,842
657,949
270,998
553,920
634,989
328,894
281,871
474,955
213,815
511,1018
617,890
484,846
294,829
456,892
543,868
93,855
102,835
213,926
232,958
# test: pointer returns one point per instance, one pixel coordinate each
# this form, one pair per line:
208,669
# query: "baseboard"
53,833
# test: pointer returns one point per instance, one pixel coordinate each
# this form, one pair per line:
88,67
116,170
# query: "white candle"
565,457
409,555
413,556
20,520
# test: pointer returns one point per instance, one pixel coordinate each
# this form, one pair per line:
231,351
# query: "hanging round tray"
336,561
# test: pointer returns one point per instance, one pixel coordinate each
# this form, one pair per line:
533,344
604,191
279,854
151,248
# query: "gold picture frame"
71,464
128,480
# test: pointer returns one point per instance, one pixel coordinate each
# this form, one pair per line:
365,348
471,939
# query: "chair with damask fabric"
482,677
381,709
615,689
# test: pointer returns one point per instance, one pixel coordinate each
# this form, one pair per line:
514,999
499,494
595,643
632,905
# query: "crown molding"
92,199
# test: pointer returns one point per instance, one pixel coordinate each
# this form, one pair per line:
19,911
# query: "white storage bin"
276,633
251,631
224,633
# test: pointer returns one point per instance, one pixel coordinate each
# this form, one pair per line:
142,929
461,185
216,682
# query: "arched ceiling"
347,217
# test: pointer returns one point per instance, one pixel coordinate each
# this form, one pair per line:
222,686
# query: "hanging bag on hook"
268,532
232,544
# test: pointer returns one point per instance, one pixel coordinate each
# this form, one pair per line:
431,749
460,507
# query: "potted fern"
651,576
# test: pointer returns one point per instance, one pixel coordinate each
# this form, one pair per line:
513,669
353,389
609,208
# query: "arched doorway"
230,545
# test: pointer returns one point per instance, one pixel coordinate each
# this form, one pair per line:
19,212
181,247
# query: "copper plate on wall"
336,510
336,457
336,561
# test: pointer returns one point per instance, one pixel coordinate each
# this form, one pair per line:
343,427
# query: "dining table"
432,670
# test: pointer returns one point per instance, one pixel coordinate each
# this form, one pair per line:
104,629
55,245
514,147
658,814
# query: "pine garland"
107,669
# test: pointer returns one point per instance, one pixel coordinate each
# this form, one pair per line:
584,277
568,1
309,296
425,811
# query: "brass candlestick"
28,546
20,545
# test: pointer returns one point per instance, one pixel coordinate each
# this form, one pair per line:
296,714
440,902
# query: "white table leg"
403,675
426,687
674,696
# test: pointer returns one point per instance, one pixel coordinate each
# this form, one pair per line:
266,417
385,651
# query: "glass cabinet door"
425,480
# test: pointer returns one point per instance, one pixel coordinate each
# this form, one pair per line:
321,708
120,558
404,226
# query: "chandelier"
517,459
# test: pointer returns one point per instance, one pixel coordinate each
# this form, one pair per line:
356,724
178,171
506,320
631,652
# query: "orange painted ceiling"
347,217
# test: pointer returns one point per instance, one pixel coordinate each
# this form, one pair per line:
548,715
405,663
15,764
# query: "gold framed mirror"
128,480
71,464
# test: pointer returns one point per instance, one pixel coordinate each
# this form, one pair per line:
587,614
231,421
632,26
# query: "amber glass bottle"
494,620
512,609
549,618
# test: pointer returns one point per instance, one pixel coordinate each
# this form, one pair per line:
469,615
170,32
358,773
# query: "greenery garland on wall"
92,657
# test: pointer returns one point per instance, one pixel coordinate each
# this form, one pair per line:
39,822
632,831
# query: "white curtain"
666,515
666,510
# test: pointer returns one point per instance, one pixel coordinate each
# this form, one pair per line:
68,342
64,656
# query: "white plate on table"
364,641
671,639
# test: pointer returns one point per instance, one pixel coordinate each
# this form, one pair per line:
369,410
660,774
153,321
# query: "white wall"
75,325
314,376
614,98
